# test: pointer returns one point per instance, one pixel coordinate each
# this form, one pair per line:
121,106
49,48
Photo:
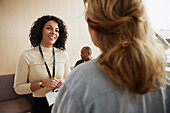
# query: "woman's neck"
47,46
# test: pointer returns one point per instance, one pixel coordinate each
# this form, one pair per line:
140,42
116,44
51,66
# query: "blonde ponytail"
130,56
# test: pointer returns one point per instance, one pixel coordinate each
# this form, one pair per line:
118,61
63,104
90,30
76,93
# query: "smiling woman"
44,67
50,34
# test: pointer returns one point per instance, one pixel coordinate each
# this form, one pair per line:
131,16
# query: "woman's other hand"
52,83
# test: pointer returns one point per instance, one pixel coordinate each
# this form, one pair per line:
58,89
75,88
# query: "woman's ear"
93,36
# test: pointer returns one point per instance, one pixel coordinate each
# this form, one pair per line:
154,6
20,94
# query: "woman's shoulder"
87,78
28,52
60,52
84,72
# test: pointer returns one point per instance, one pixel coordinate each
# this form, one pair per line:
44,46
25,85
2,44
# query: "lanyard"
46,63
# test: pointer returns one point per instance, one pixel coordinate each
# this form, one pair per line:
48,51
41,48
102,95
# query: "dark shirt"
79,62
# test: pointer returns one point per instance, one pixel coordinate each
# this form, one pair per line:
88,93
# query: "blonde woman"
129,75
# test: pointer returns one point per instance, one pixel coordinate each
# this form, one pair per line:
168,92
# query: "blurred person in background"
86,53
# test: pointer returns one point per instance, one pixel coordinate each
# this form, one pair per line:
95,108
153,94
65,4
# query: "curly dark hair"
35,34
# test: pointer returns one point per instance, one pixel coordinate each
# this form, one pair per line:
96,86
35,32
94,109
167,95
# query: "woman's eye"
56,30
48,28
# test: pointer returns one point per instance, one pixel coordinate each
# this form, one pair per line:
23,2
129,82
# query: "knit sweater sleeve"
66,65
21,77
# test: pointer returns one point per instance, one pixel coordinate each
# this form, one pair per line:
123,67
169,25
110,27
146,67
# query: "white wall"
17,16
158,13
